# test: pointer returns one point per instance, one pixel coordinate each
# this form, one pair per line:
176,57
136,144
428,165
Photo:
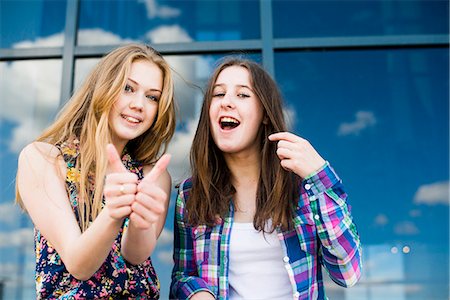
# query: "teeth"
229,120
131,119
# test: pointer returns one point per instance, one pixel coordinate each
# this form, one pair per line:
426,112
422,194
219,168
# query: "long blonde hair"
85,116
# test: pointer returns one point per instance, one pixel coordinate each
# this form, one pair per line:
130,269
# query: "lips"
228,123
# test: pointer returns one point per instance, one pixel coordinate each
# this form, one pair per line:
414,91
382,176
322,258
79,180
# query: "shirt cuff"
321,180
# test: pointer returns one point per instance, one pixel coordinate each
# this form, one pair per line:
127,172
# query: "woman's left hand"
297,154
151,199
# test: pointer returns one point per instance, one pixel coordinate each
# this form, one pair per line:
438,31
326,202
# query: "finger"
156,203
121,212
284,153
159,168
121,178
115,164
140,222
287,136
287,164
285,144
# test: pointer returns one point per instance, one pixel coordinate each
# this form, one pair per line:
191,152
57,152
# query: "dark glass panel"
28,24
310,18
381,118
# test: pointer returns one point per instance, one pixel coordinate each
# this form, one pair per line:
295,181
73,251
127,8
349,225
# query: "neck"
245,169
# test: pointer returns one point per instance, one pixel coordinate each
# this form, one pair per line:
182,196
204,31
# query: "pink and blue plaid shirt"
323,235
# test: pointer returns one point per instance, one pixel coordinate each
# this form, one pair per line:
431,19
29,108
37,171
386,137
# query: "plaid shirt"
323,234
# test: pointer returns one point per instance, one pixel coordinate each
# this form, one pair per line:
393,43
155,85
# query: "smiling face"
235,113
135,110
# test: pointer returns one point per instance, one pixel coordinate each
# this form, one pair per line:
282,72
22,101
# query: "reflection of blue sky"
380,117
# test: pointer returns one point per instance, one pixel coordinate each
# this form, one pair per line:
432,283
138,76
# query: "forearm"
339,239
138,244
87,252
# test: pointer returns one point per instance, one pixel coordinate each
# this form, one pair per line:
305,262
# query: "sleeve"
185,280
340,245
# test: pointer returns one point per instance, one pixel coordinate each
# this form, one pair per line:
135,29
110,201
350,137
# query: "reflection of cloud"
364,119
9,213
154,10
166,237
165,256
434,193
179,147
406,228
381,220
55,40
290,116
30,110
168,34
19,238
97,36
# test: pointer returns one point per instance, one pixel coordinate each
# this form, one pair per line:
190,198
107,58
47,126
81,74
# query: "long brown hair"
85,117
212,189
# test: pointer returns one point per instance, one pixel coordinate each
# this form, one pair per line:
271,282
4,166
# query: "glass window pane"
116,22
311,18
29,97
28,24
381,118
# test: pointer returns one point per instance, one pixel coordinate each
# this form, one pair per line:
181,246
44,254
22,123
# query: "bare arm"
41,185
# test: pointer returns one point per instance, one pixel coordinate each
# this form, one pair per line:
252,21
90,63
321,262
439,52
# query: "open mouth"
131,119
228,123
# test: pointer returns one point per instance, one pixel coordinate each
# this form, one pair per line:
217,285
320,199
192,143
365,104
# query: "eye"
128,88
153,98
242,95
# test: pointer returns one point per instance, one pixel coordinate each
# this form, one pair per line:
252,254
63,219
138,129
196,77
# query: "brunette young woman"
263,211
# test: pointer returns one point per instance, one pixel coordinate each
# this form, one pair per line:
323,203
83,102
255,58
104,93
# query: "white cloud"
154,10
22,237
9,213
363,120
166,237
432,194
179,147
97,36
55,40
30,97
406,228
290,115
168,34
165,256
381,220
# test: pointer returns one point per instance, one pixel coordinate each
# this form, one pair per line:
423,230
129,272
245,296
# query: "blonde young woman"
95,185
263,211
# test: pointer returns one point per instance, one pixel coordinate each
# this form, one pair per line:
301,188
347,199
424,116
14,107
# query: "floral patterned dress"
115,279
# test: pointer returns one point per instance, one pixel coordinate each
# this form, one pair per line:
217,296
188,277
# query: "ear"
266,120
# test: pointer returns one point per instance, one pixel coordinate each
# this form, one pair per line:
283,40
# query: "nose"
137,101
227,101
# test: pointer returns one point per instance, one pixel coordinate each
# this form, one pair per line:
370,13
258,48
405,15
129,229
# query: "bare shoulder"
39,154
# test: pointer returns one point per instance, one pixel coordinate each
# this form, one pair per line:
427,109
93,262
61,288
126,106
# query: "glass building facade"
365,81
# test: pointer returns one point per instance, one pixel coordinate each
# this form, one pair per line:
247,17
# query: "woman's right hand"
120,186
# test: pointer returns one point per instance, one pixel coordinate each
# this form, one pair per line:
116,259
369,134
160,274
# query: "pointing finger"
284,136
159,168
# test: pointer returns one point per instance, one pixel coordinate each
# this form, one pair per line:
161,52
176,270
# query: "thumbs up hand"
151,199
120,186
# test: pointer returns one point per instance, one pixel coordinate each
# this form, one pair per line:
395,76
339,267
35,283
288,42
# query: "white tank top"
256,267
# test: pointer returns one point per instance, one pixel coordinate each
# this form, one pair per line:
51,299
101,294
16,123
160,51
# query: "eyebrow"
239,85
136,83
